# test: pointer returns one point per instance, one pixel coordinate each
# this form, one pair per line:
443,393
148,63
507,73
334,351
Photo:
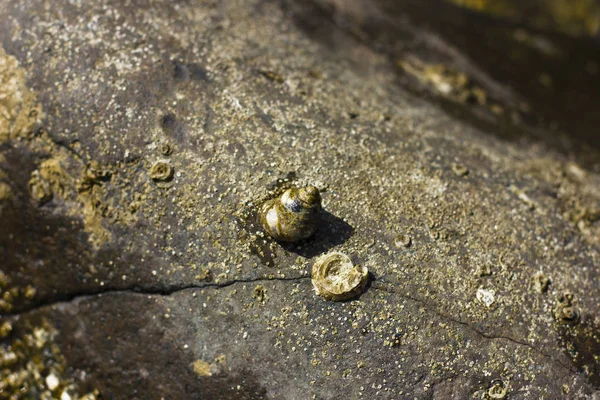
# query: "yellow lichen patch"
495,7
19,111
51,181
574,17
202,368
577,17
5,329
33,367
5,191
446,81
55,179
52,171
39,188
93,210
260,294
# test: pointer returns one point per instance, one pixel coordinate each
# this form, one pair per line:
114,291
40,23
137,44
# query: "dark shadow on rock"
561,113
370,279
44,248
143,356
183,72
582,344
39,247
333,231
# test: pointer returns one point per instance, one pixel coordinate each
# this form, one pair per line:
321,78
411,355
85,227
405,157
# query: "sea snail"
293,216
334,277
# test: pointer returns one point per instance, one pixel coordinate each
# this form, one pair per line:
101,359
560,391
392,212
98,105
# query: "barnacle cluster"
334,277
9,294
32,367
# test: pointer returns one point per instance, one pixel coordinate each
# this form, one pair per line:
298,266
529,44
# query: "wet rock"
137,289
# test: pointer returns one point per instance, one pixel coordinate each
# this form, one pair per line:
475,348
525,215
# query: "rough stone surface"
457,157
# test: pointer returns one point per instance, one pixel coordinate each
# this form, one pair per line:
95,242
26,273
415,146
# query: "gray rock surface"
468,138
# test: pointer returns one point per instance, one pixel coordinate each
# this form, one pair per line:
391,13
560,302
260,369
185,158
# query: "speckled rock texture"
457,156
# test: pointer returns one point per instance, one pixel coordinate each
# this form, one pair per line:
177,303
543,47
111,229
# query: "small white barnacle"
334,277
293,216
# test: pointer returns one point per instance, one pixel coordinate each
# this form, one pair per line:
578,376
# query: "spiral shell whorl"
293,216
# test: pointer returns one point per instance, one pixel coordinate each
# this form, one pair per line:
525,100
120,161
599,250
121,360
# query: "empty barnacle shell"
459,169
498,390
565,311
334,277
165,149
293,216
161,171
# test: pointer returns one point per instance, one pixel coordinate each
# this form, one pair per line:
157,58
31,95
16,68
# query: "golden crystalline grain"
334,277
293,216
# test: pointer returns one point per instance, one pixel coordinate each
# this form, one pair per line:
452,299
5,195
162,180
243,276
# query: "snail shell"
334,277
293,216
